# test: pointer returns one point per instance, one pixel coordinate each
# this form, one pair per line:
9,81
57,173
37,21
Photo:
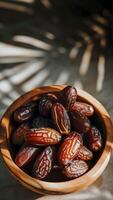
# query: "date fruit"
68,96
61,118
25,155
94,139
25,112
69,148
18,135
40,122
45,104
84,154
84,108
42,136
79,122
75,169
43,163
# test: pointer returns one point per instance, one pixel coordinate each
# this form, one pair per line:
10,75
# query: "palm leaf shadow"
47,32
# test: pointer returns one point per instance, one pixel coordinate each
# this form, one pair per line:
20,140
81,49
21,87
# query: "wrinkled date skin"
79,122
46,103
84,154
75,169
84,108
40,122
68,96
24,112
69,148
61,118
43,163
94,139
18,135
25,155
42,136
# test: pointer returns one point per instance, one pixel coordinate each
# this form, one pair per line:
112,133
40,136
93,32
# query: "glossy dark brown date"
25,112
75,169
94,139
79,122
18,135
42,122
61,118
84,108
68,96
42,136
69,148
84,154
46,103
25,155
43,163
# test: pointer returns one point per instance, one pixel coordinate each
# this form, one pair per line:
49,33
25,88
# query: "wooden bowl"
105,125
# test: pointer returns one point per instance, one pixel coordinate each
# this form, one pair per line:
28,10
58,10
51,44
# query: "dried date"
43,163
68,96
75,169
94,139
18,135
84,108
84,154
25,155
69,148
25,112
46,103
79,122
42,136
40,122
61,118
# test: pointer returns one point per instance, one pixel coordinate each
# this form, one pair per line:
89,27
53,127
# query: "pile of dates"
54,134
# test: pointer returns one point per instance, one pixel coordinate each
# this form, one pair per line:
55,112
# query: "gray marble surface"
43,44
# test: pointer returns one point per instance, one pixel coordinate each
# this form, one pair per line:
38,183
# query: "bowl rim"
66,186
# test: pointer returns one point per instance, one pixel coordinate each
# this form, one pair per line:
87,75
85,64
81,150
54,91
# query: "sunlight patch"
49,36
85,63
101,73
32,41
5,86
28,70
36,80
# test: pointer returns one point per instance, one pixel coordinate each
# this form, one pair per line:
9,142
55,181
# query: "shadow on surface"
54,42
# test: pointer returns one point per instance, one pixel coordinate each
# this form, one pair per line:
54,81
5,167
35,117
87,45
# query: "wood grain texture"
61,187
